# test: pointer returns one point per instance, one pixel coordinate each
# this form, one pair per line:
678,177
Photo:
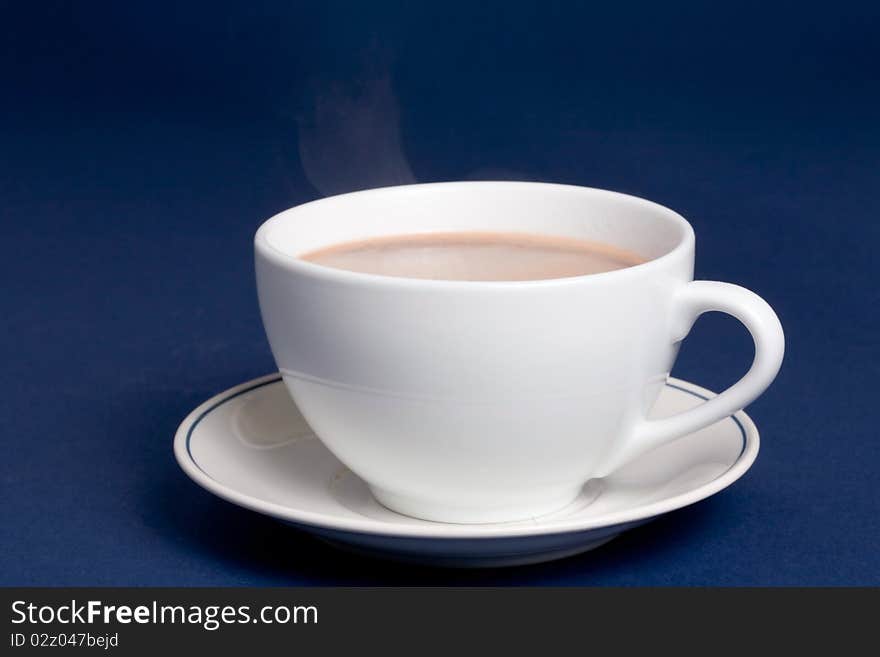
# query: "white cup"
462,401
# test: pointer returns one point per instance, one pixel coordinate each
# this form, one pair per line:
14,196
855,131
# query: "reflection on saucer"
251,446
268,420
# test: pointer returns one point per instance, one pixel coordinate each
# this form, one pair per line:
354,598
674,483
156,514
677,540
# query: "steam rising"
349,137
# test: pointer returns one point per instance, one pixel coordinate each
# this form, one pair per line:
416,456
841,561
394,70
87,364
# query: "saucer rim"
439,530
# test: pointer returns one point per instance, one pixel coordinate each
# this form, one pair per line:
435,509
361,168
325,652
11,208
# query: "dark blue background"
141,144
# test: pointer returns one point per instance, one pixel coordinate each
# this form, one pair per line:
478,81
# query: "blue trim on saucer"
214,407
742,429
278,378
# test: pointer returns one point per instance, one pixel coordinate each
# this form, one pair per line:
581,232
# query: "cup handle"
691,301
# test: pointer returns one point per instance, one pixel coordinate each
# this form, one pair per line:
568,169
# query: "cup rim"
265,249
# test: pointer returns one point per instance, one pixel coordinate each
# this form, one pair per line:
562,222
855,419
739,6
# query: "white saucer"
250,446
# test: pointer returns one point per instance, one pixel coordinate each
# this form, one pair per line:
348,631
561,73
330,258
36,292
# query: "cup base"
458,514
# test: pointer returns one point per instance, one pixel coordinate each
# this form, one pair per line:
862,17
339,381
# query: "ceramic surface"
252,447
467,401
